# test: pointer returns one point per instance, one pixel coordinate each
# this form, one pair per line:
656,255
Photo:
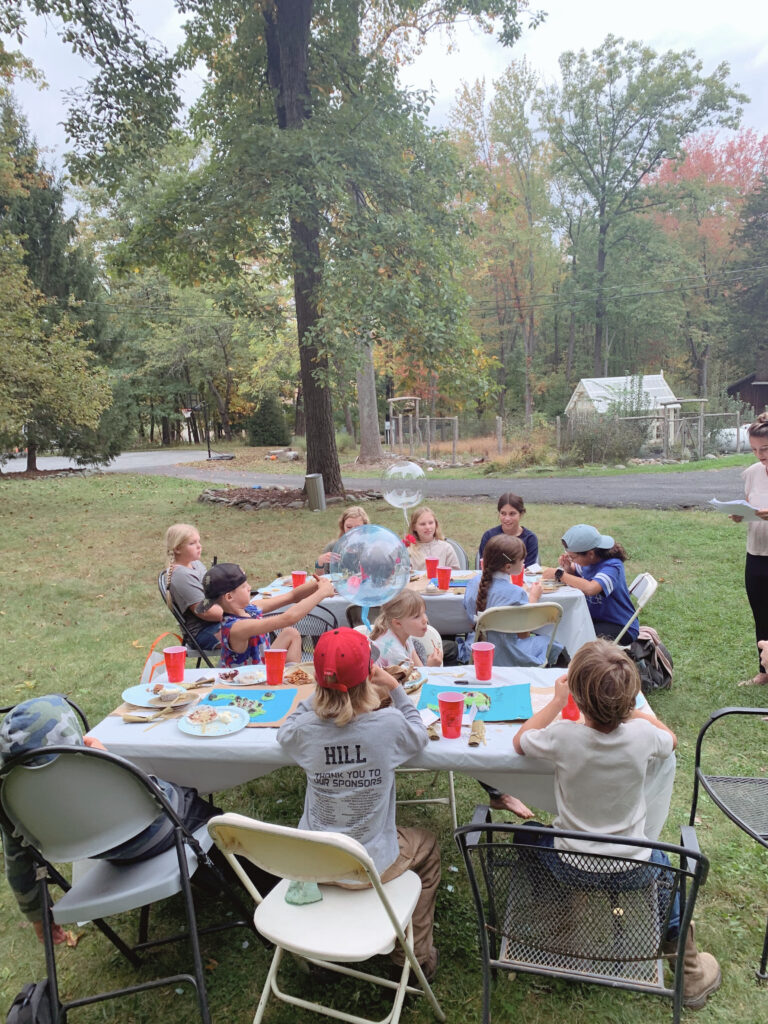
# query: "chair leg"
761,974
194,940
269,985
452,800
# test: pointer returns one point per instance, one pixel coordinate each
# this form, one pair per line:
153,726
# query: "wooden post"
455,436
429,438
701,430
558,435
499,441
400,428
665,425
410,434
738,431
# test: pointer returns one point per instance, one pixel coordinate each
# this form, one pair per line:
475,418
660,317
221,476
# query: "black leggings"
756,583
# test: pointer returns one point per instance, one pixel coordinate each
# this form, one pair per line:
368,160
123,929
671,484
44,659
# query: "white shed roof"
601,391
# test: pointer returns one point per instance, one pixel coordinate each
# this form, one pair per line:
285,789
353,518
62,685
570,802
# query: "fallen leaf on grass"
136,643
211,965
71,939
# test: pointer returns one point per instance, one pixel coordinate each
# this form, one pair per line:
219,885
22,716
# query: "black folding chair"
742,798
186,635
595,917
72,803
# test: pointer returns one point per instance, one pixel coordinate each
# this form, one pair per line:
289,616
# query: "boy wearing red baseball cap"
349,749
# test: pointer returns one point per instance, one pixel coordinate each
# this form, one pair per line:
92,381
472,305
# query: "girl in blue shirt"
594,564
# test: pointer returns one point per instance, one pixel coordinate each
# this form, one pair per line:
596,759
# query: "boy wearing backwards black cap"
243,641
349,751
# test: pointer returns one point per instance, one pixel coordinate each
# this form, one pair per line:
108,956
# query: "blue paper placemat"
265,707
494,703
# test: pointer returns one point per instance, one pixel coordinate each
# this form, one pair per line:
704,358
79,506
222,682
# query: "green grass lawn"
80,608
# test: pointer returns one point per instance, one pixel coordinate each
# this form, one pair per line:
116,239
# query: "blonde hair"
340,707
175,536
604,682
406,605
415,516
354,511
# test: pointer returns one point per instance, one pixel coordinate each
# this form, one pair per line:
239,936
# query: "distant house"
753,389
594,395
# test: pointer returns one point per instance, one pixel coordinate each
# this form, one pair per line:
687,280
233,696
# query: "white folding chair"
642,588
346,926
520,618
73,803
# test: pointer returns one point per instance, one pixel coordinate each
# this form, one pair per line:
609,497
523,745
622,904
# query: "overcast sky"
735,31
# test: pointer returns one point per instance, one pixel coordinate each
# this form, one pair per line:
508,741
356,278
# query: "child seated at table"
600,771
244,631
504,557
184,584
349,519
344,714
429,541
401,620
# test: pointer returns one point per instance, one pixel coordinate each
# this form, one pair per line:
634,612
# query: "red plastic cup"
443,577
298,577
482,656
274,659
570,711
451,706
175,659
518,579
431,564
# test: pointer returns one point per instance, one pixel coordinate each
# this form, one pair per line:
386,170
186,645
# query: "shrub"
266,425
605,438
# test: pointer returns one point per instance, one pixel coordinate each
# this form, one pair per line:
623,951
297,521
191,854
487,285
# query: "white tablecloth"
446,613
213,764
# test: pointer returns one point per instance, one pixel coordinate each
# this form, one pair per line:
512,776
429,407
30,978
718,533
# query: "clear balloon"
403,484
369,565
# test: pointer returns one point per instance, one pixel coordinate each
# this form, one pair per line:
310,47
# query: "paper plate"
238,719
141,696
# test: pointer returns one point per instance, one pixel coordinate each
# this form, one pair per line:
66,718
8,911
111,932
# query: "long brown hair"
498,552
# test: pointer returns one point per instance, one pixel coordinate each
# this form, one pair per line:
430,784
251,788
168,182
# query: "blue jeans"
207,637
635,878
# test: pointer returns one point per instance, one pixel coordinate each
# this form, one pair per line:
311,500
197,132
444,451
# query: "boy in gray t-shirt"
600,767
349,749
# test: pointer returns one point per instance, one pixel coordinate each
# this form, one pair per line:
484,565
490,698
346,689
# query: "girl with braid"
504,557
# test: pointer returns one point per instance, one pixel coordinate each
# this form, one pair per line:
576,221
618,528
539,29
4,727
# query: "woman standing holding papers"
756,567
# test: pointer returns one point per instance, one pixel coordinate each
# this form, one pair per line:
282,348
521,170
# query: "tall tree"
617,114
278,72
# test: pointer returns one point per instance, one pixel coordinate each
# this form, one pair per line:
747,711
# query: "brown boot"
701,973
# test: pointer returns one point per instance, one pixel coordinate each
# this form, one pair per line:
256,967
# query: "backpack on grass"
653,660
31,1005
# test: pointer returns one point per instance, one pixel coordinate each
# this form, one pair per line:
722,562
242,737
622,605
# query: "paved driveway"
639,490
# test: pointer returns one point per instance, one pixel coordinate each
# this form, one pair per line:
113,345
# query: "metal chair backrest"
642,588
742,798
72,803
599,916
189,639
520,618
461,554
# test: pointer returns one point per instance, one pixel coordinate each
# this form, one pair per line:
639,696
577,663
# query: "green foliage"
266,424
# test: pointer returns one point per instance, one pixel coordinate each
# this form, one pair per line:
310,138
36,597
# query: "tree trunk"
287,34
299,420
368,413
571,346
597,362
165,429
222,406
31,457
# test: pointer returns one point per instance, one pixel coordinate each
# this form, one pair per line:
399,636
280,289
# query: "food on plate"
166,694
406,672
228,674
298,677
204,715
